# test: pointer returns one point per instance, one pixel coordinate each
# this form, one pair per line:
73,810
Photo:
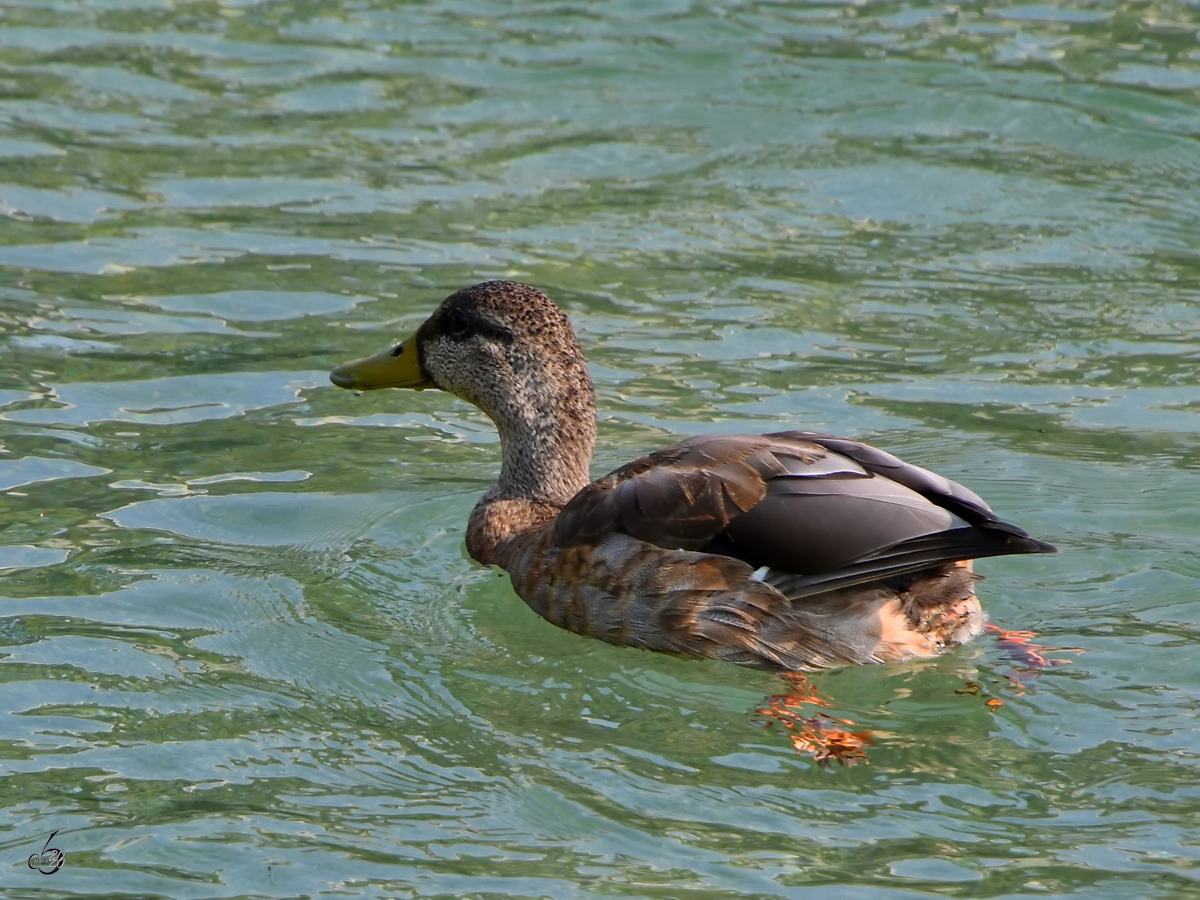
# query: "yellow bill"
399,367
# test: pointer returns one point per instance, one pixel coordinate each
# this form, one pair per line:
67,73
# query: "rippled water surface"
242,650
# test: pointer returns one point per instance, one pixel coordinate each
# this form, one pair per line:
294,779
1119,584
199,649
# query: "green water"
242,650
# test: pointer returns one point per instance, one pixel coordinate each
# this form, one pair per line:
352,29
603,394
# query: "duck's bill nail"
399,367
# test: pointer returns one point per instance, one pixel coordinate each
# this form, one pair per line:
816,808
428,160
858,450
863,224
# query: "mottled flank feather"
782,551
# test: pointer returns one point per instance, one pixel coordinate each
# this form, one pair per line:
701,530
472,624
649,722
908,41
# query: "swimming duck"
784,551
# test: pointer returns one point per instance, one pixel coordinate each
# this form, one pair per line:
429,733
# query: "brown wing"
821,512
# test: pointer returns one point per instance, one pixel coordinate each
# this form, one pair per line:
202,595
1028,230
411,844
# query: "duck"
789,551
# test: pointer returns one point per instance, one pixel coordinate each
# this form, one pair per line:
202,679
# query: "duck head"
509,350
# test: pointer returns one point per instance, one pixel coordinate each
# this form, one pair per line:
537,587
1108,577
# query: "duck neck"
546,443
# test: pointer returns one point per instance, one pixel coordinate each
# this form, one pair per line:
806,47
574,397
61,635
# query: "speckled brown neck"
546,441
524,368
546,438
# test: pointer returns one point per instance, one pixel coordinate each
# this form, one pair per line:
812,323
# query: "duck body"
783,551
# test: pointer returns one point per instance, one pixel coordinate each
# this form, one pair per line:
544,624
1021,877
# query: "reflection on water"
245,652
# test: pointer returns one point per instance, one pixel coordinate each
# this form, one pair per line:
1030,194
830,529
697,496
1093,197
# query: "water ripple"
244,651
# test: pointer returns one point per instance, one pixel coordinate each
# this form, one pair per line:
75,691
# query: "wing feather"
821,512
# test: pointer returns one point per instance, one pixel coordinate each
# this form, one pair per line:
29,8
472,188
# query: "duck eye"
458,324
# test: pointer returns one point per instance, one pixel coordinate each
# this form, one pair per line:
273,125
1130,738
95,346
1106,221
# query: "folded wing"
821,512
